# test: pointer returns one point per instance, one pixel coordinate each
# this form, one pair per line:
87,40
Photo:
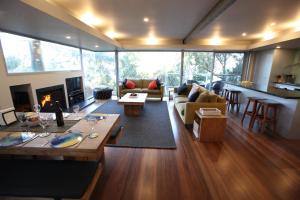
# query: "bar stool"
264,108
252,112
234,100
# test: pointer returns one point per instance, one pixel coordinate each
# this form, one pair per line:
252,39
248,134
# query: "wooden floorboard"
247,165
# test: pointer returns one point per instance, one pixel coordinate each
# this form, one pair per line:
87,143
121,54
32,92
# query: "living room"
149,100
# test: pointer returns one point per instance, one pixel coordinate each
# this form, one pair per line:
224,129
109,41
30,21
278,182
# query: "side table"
209,128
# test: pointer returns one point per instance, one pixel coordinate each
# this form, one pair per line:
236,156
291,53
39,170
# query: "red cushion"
152,85
130,84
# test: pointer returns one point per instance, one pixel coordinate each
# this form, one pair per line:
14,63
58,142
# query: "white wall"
262,68
281,59
38,80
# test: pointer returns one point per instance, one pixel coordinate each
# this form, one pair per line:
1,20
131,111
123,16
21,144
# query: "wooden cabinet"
208,128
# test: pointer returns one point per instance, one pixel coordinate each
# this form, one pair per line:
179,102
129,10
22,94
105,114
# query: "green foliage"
12,63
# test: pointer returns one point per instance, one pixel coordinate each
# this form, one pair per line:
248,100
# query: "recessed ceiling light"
68,37
268,35
273,24
146,19
112,34
96,46
91,19
244,34
151,40
278,47
215,40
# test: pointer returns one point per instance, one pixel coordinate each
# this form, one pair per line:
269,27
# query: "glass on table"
37,108
23,120
44,122
76,110
92,122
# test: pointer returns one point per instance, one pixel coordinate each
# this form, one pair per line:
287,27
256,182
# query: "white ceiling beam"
217,10
55,11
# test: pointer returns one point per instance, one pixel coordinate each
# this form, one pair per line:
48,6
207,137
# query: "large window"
23,55
151,65
198,66
99,69
228,67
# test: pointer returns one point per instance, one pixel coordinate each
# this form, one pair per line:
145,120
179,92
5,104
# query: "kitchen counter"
274,91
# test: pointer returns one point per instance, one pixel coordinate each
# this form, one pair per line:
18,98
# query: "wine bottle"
59,114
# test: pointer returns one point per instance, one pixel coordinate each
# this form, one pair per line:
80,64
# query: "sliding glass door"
198,66
99,69
151,65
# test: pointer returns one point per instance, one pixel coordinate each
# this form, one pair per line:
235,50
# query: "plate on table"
96,117
16,138
67,140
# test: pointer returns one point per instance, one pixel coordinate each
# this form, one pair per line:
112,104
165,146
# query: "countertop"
283,93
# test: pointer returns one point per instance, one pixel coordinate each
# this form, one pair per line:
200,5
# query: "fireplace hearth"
48,96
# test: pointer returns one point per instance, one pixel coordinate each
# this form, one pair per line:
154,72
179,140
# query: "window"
228,67
23,55
151,65
57,57
198,66
99,69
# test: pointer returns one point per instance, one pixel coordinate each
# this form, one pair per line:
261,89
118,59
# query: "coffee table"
133,105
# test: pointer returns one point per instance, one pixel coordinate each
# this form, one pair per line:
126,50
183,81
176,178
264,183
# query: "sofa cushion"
194,89
135,90
146,90
180,108
145,83
182,89
207,97
130,84
181,99
152,85
138,82
194,96
158,83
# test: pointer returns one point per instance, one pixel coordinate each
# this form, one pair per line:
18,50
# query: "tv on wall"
74,84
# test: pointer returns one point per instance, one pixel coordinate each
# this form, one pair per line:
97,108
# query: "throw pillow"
152,85
203,97
182,89
124,83
158,83
194,96
130,84
194,89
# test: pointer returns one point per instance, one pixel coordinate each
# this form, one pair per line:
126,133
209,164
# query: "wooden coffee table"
133,105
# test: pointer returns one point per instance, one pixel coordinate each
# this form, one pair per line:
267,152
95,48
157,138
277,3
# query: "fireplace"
48,96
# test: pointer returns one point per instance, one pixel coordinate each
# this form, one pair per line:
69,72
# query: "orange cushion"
130,84
152,85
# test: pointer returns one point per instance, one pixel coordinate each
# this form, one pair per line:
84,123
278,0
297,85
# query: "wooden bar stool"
251,113
267,113
234,100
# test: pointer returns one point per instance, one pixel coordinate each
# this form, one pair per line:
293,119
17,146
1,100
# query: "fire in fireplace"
48,96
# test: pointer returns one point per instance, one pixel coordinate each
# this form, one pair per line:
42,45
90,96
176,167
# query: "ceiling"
17,17
112,24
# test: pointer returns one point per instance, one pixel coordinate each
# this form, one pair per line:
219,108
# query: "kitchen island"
288,118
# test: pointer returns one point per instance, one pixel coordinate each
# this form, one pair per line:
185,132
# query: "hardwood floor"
245,166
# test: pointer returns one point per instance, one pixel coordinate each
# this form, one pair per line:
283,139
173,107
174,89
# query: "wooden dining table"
87,149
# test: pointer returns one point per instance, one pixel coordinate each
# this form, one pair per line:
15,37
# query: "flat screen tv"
74,84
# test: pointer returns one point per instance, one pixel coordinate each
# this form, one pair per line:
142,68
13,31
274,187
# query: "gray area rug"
152,129
53,128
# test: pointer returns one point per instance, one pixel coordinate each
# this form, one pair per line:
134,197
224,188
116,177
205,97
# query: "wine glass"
22,119
92,122
76,109
37,108
44,122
